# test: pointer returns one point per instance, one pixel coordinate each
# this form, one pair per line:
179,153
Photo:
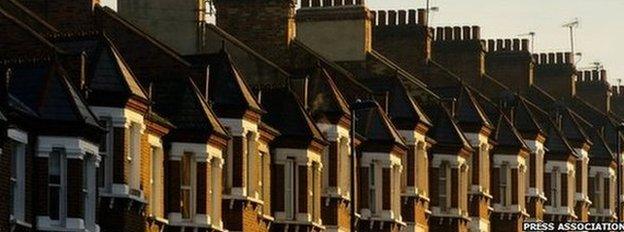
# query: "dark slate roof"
227,89
600,149
376,127
383,79
32,45
467,109
571,125
555,140
445,130
44,88
324,98
28,17
2,117
175,96
286,114
111,75
597,118
523,118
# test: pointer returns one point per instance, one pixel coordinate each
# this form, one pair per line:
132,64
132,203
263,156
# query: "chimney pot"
508,45
595,75
525,45
603,75
516,44
551,58
543,58
614,89
402,17
316,3
579,76
422,17
392,18
327,3
559,58
467,33
499,45
411,17
535,58
621,90
567,57
491,44
359,2
337,2
476,32
457,33
305,3
448,33
382,18
587,75
373,17
439,35
348,2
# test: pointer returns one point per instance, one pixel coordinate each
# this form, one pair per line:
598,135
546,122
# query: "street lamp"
619,129
358,105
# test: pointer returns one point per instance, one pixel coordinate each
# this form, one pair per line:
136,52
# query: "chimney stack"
422,17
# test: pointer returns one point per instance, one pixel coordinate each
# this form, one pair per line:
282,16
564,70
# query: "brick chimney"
593,87
510,62
461,51
65,15
268,26
407,43
617,100
556,73
340,32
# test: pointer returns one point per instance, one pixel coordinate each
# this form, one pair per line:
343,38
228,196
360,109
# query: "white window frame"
555,184
107,155
598,191
18,179
373,188
62,185
444,182
290,189
156,181
505,183
191,188
134,156
89,186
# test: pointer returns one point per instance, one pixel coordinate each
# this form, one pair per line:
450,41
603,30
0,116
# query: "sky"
599,37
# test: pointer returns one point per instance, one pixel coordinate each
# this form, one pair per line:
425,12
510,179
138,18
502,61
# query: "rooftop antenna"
532,35
597,65
429,9
572,25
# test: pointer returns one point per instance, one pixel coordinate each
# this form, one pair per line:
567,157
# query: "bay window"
598,191
504,185
555,183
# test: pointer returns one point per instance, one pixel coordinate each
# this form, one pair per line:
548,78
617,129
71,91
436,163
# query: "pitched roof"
445,130
324,99
45,89
28,17
227,89
467,109
286,114
376,127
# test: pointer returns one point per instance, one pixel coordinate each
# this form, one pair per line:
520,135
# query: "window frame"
18,180
89,187
105,170
61,185
444,184
290,190
555,181
190,187
373,187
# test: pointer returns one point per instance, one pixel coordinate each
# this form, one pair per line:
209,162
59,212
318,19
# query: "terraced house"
152,118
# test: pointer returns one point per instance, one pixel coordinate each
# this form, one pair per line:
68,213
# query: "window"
554,188
18,171
157,182
88,190
444,187
372,188
187,194
505,181
134,157
250,151
105,170
598,191
344,162
289,188
57,185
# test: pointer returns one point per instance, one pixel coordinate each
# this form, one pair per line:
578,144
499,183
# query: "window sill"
385,220
335,195
416,195
303,223
243,198
122,191
20,223
159,219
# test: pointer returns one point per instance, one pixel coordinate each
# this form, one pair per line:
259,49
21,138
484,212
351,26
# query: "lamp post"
358,105
618,161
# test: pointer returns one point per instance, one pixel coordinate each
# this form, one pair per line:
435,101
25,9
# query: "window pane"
53,202
185,203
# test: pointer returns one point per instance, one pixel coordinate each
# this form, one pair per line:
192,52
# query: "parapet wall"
553,58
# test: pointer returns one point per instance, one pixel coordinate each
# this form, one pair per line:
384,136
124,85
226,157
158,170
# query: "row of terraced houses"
152,119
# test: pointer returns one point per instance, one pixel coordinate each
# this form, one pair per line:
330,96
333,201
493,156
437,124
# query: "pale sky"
599,37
